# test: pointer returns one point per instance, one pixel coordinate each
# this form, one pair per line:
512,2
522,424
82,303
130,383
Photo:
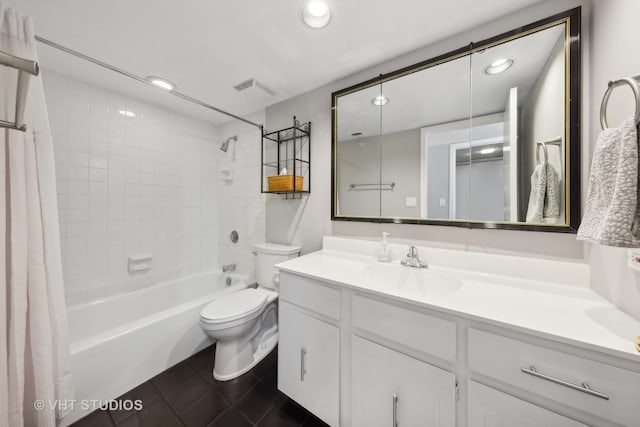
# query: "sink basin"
408,279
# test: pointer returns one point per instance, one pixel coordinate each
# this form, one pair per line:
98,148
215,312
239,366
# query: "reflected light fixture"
380,100
488,150
161,83
126,113
499,66
316,14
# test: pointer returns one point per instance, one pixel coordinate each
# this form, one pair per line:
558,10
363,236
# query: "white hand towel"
544,199
611,210
552,195
536,197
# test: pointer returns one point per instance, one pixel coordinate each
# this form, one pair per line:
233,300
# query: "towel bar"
631,81
555,141
380,186
26,68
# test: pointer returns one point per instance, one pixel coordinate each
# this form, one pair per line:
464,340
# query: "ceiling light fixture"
161,83
316,14
380,100
126,113
499,66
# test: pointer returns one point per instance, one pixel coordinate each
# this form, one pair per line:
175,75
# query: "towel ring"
605,100
544,149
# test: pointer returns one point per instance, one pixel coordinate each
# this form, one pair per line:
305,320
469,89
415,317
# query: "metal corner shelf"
288,148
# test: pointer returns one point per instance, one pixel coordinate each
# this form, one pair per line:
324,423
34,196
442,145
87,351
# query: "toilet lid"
233,306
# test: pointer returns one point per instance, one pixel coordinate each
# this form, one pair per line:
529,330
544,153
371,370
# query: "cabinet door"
391,389
308,362
491,408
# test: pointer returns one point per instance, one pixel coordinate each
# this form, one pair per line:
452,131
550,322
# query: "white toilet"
245,323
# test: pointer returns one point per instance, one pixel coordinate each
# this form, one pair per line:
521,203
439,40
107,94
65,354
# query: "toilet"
245,323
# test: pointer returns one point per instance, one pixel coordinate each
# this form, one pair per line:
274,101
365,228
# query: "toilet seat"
234,306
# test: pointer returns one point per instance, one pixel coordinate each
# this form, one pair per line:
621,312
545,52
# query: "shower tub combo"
120,342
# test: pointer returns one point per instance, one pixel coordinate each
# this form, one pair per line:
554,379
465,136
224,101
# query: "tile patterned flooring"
188,395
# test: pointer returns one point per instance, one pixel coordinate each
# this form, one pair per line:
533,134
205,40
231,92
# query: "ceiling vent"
253,83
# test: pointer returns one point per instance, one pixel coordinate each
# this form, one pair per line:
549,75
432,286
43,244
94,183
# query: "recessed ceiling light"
499,66
488,150
126,113
380,100
161,83
316,14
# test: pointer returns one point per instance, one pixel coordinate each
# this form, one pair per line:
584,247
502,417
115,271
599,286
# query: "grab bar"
380,186
584,388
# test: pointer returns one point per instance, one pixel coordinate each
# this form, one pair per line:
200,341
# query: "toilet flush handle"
276,279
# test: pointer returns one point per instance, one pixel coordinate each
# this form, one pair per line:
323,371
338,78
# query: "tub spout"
228,267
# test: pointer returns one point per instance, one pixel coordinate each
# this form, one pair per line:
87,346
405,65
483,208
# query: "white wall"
360,164
304,221
615,34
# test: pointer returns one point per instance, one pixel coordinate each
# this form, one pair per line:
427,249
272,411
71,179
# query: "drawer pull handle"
583,388
303,368
395,410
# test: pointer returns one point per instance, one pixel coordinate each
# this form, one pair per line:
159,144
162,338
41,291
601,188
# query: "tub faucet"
412,259
228,267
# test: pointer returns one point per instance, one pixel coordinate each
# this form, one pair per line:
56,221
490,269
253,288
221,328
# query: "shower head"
225,145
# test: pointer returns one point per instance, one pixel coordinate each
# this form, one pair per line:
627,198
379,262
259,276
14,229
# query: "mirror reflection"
479,136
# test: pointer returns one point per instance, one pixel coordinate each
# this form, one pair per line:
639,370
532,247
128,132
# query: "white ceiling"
208,46
445,93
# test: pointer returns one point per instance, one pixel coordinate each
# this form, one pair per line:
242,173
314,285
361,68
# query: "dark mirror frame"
572,19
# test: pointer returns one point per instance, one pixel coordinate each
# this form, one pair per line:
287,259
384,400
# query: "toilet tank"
267,256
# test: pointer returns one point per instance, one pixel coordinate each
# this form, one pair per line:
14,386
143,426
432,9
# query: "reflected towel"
611,210
544,200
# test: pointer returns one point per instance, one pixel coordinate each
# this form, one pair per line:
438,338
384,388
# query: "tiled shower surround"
147,184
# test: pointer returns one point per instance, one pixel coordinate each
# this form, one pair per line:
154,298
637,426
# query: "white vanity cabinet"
490,408
389,388
365,357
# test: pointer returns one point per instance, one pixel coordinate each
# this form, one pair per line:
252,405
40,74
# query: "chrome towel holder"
26,68
555,141
634,83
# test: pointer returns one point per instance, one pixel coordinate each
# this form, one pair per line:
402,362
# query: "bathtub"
122,341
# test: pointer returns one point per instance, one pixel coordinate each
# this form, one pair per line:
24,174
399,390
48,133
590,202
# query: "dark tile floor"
187,395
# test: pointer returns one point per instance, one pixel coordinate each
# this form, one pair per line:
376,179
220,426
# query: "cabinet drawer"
310,294
557,376
420,331
491,408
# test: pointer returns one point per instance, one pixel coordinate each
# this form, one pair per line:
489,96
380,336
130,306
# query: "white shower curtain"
34,344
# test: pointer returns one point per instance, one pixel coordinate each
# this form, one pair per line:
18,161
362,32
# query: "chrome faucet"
228,267
412,259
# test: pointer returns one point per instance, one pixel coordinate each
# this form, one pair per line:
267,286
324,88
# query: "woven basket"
284,183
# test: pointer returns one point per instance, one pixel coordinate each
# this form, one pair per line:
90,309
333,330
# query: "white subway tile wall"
244,205
143,184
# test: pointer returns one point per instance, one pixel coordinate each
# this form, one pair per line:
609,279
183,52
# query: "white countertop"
570,314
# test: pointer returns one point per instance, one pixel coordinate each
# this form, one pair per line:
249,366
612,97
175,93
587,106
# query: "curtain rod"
141,80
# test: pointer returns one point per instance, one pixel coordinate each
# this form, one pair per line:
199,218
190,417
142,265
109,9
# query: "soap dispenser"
385,253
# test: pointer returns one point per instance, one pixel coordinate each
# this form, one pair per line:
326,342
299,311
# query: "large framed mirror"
486,136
